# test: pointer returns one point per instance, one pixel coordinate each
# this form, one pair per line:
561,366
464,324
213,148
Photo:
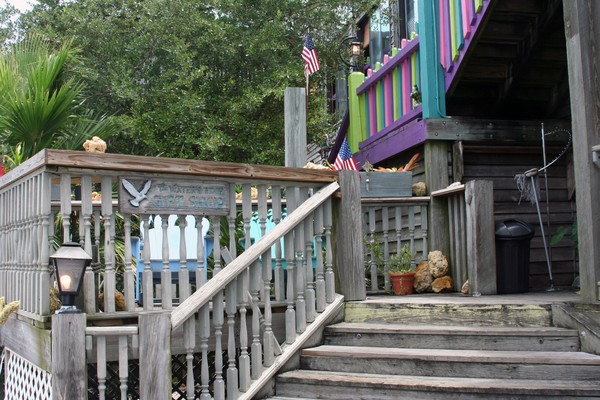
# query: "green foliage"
39,109
563,231
401,261
201,80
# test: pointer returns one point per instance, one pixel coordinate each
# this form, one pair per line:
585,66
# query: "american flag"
344,159
309,55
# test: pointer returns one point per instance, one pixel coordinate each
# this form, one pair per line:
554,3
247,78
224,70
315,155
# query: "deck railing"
388,224
388,96
225,309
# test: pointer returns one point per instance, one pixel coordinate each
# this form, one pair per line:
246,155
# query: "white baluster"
130,269
123,366
201,273
386,248
204,322
329,275
147,278
109,245
256,352
219,384
244,360
279,272
232,371
290,313
184,273
309,294
320,270
101,366
165,274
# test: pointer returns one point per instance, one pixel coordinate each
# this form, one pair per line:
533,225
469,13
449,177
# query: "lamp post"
70,262
354,51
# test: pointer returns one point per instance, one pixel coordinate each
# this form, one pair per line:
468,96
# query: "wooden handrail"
120,163
199,298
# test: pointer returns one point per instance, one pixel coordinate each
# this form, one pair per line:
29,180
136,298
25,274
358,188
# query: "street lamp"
70,262
354,51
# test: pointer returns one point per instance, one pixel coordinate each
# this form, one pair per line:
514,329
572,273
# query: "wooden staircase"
388,350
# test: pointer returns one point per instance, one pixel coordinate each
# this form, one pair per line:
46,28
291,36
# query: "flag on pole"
309,55
345,159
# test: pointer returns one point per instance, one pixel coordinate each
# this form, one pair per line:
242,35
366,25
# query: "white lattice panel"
23,380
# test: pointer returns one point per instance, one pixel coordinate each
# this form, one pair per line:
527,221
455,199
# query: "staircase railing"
245,285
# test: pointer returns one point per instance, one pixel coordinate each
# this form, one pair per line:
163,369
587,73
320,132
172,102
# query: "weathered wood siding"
500,163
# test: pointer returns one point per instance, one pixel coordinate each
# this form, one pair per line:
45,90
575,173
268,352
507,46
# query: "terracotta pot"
402,282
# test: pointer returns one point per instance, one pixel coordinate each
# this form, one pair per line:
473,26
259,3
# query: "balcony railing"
395,92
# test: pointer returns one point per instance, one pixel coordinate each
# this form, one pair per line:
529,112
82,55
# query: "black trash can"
513,239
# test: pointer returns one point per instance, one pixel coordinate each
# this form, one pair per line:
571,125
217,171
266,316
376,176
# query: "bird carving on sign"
138,196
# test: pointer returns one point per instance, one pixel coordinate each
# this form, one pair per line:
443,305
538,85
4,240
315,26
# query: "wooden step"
344,385
464,314
454,363
452,337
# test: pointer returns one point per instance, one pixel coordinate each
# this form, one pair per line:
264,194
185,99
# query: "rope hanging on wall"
528,186
527,182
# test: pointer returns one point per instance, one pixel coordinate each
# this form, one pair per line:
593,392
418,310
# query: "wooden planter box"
386,184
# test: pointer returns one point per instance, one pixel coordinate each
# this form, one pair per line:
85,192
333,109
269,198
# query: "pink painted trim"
448,34
389,100
372,111
466,18
406,88
394,62
442,36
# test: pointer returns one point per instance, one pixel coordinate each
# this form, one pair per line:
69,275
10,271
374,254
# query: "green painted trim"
356,107
478,5
395,94
453,30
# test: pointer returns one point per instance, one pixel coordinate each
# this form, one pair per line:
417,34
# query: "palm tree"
39,109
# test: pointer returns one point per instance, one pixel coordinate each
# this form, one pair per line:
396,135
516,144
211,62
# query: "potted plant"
402,275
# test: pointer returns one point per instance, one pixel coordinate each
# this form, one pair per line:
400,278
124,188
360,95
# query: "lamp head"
69,262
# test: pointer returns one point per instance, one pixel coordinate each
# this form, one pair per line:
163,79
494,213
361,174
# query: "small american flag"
309,55
344,159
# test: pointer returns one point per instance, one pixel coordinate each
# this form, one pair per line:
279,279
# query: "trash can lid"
513,228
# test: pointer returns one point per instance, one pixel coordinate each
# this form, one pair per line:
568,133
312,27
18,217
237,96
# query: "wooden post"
69,367
436,177
481,240
350,269
581,19
432,75
155,355
295,127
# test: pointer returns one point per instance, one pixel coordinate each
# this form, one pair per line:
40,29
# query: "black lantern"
350,55
355,48
70,262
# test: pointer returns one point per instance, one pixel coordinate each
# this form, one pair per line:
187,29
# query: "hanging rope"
528,190
527,182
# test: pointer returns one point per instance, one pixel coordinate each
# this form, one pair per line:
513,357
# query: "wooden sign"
159,196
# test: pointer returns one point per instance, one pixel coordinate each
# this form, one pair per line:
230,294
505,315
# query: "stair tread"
349,379
360,327
490,356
